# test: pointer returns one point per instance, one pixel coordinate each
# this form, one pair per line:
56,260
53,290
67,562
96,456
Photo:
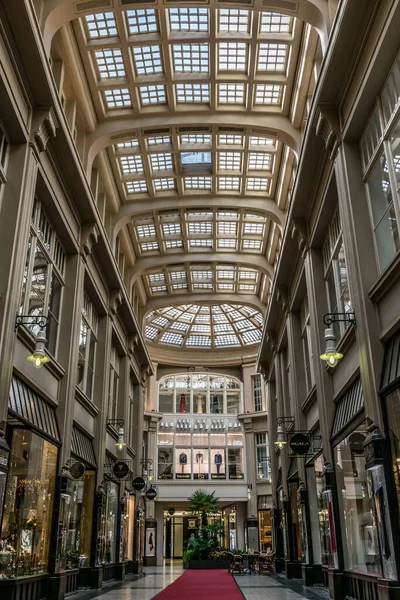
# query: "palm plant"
203,503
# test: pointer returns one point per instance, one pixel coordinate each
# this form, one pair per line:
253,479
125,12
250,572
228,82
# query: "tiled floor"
254,587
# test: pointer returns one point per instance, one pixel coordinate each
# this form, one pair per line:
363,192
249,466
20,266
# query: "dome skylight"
204,327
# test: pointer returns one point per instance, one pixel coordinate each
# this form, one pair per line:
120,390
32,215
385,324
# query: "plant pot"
207,564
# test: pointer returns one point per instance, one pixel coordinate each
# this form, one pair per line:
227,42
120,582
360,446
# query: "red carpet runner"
202,585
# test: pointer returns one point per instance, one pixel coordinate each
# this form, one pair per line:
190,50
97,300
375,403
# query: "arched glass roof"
205,327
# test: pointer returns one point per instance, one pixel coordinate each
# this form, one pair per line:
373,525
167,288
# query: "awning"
391,365
32,409
293,470
348,407
82,447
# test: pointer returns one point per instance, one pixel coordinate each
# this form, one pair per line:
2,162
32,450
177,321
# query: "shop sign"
151,494
171,511
200,476
165,476
300,443
120,469
237,476
218,476
138,484
182,476
4,459
77,470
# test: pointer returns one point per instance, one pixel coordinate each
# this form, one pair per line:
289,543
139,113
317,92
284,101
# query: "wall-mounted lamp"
120,422
281,440
331,355
38,358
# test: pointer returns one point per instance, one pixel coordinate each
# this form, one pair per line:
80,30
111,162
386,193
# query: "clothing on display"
218,461
199,402
183,460
199,457
182,404
215,405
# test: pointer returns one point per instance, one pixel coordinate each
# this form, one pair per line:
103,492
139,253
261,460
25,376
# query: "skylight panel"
156,289
179,286
119,98
247,287
135,187
234,20
254,228
172,229
252,244
173,244
275,23
221,318
227,228
205,227
225,274
159,139
131,164
232,56
142,21
156,277
177,275
203,286
152,94
226,243
190,58
223,327
195,158
230,161
188,19
247,275
161,162
260,161
252,336
196,138
145,231
230,139
192,92
172,338
101,25
199,340
134,143
148,246
257,140
198,183
165,183
180,326
201,329
226,287
269,94
229,183
202,274
257,184
231,93
110,63
161,321
201,243
272,57
147,60
151,332
227,340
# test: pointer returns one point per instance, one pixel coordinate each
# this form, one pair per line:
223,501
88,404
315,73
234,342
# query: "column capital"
116,298
44,125
328,127
89,237
299,233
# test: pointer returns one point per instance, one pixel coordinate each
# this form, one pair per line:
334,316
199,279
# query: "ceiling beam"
204,299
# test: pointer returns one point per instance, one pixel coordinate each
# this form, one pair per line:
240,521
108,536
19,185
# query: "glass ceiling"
205,327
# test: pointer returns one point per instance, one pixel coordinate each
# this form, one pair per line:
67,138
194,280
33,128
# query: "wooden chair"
236,563
267,563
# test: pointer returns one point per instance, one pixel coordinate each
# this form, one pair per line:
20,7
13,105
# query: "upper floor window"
43,276
257,393
380,151
335,269
262,456
113,386
306,343
199,394
87,347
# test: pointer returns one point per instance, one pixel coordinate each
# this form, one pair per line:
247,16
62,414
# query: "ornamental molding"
115,301
299,233
90,236
282,297
44,126
328,127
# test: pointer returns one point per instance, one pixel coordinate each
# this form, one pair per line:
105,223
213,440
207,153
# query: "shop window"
307,347
335,268
265,530
108,531
128,528
235,463
43,276
257,393
200,464
28,505
183,463
218,469
357,505
262,456
87,347
165,463
113,384
75,523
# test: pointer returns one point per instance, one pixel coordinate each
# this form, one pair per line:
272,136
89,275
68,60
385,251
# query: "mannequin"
183,460
182,405
199,403
199,459
218,461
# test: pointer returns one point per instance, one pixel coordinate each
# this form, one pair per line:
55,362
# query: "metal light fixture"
38,358
121,441
280,437
331,355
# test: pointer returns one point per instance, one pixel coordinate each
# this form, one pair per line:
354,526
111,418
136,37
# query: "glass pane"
380,194
217,403
165,463
90,368
233,403
395,145
344,281
182,402
38,286
25,280
235,463
166,401
28,508
53,314
129,522
200,403
111,521
82,353
387,238
183,463
200,464
218,463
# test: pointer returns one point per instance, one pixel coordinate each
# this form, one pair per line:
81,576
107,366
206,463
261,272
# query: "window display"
165,463
235,463
129,521
183,463
264,526
28,510
218,463
107,539
217,403
200,463
363,552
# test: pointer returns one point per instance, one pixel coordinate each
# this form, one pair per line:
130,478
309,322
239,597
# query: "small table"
252,564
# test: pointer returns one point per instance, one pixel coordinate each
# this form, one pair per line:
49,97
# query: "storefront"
26,531
291,507
264,523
